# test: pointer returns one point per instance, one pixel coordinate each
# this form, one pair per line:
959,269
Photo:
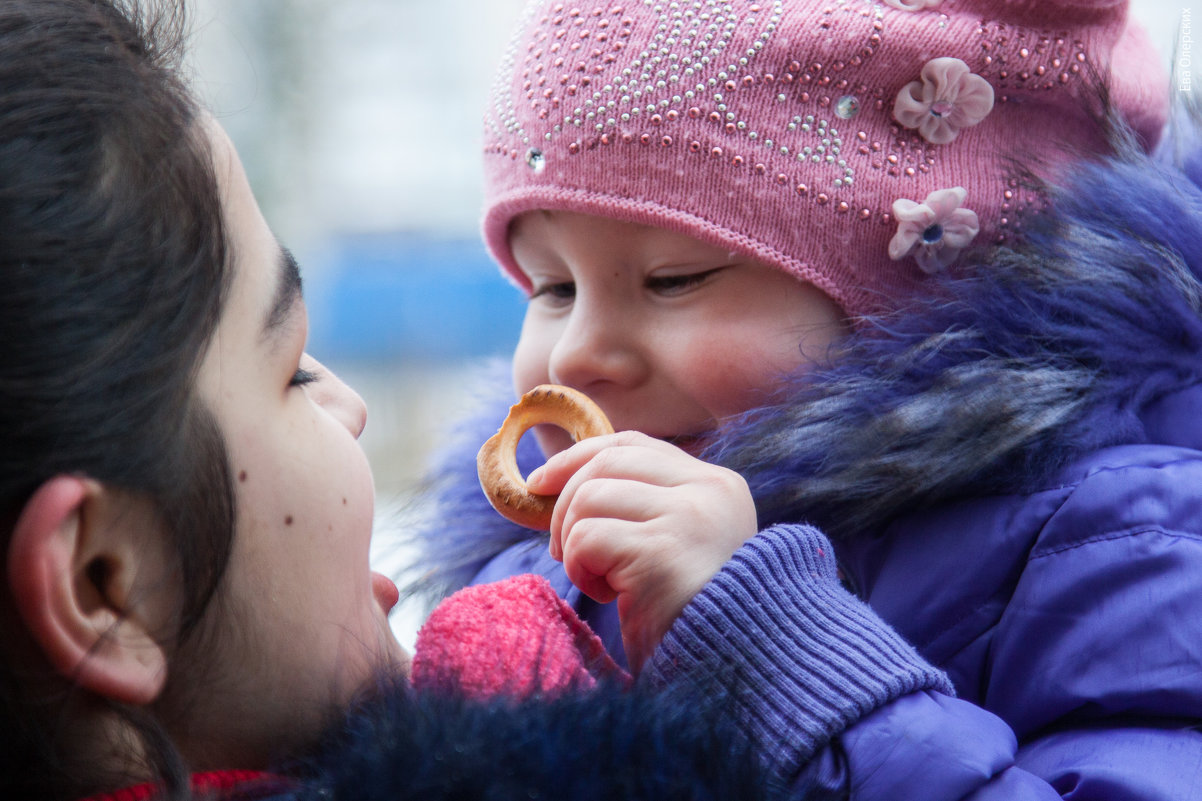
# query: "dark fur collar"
605,744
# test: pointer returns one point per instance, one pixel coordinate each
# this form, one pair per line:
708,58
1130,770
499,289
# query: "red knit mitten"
514,637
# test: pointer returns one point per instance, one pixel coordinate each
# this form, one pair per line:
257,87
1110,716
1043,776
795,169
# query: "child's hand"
644,522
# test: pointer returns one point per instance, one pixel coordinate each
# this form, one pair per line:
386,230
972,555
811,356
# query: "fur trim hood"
603,745
1001,377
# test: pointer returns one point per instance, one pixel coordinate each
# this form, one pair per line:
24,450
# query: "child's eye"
302,377
562,292
677,284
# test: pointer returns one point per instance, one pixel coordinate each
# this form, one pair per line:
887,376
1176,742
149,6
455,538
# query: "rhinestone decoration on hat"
579,77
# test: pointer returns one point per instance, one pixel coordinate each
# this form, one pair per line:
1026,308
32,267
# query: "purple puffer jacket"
1012,479
1072,614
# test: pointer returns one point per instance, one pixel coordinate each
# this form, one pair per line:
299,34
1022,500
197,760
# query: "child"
186,509
813,244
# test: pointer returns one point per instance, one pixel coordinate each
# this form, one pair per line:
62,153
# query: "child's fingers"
634,458
592,585
552,476
609,559
651,471
617,498
612,498
591,497
595,553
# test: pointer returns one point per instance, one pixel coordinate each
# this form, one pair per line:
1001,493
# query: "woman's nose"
339,400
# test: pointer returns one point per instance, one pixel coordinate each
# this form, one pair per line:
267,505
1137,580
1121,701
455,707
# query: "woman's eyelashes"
302,377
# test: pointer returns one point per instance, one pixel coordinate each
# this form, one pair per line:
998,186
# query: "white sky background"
358,115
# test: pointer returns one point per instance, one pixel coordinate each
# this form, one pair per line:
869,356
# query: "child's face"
300,622
668,334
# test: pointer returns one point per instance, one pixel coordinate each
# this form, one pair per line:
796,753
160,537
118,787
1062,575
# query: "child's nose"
597,348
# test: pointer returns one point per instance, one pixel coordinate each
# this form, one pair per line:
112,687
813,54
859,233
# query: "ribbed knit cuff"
802,657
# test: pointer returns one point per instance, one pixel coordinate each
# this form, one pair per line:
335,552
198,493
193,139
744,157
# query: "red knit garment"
222,782
513,637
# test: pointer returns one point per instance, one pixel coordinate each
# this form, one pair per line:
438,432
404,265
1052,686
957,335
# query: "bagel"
497,464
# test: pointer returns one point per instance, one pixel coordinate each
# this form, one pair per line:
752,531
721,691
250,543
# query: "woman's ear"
75,554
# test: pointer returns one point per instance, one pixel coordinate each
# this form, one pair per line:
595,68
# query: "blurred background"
359,126
358,123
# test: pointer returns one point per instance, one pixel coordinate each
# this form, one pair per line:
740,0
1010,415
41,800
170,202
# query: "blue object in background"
405,297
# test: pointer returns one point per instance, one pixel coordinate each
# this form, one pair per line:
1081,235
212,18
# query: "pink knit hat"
854,144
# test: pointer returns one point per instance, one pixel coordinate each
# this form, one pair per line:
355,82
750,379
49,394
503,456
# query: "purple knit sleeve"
803,657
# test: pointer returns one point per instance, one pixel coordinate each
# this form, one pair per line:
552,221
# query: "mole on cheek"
344,501
288,520
242,476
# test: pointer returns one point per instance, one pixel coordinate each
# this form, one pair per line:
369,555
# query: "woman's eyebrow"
287,291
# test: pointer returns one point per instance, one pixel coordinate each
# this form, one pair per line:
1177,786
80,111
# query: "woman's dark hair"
113,269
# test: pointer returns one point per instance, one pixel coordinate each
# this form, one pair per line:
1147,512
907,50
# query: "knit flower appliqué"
913,5
934,231
947,98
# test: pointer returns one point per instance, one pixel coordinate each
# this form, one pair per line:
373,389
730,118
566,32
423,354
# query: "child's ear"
72,565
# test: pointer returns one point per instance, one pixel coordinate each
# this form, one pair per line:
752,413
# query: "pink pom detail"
948,97
934,231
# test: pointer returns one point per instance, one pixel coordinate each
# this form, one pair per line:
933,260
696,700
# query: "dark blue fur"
998,379
603,745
